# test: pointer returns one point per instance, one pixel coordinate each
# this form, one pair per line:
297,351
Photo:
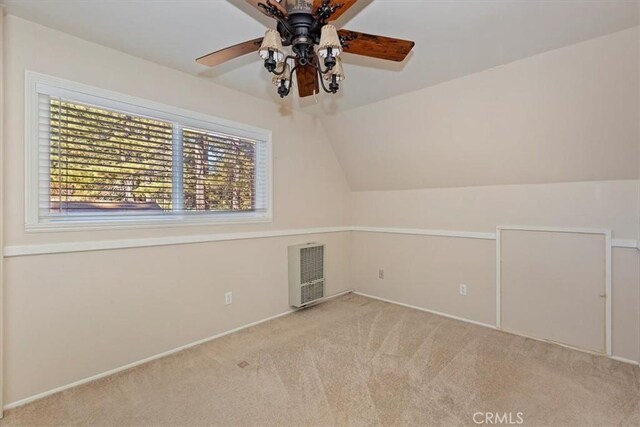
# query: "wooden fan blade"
307,79
224,55
375,46
274,3
346,5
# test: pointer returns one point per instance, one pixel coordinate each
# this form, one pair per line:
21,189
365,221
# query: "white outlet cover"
228,298
463,289
381,274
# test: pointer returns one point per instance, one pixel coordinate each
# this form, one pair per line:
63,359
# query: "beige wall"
566,115
605,204
625,312
71,316
426,272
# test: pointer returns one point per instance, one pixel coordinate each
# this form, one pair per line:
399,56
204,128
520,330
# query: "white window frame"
36,83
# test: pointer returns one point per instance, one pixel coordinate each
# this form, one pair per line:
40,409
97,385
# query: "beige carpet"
355,361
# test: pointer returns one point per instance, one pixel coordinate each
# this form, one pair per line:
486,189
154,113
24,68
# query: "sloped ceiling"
571,114
454,38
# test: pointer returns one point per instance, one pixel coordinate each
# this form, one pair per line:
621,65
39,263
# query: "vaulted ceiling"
453,38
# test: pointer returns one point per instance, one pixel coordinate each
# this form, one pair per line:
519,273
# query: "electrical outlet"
463,290
228,298
381,274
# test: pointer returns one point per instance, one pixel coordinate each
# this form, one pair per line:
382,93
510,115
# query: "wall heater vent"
306,274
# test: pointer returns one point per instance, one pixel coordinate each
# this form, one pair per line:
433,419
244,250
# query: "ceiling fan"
303,24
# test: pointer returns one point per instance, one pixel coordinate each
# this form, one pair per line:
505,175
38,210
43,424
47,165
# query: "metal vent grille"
311,264
312,292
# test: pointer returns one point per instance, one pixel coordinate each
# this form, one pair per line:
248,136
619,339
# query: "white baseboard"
625,360
450,316
39,396
462,319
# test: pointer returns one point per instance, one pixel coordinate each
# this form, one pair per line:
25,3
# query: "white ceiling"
453,38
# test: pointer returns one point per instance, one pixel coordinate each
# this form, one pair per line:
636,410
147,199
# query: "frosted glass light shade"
329,39
272,42
285,76
337,71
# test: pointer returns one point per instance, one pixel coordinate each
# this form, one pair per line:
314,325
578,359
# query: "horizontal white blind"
103,162
219,172
98,163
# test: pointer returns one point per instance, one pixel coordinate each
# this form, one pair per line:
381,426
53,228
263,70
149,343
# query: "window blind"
219,172
103,163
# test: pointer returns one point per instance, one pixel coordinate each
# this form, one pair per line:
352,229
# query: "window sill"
146,222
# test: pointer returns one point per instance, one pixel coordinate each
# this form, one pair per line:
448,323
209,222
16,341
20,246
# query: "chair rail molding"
101,245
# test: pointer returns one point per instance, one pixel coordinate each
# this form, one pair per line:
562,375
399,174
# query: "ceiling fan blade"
375,46
307,79
274,3
346,5
227,54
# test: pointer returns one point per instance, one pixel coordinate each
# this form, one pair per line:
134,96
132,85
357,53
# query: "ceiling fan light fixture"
329,42
337,71
334,75
282,79
283,75
272,46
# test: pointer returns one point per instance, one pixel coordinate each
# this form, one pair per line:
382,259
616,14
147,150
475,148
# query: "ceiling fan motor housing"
303,23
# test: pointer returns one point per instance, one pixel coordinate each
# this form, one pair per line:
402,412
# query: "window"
97,159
